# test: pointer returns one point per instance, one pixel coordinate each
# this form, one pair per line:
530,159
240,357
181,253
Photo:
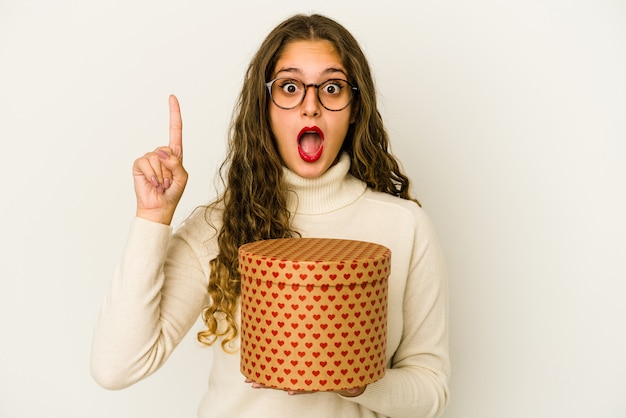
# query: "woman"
308,157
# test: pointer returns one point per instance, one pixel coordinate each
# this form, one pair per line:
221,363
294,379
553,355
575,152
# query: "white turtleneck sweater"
160,288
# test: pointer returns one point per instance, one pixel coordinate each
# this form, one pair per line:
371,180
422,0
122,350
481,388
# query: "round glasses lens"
333,94
287,93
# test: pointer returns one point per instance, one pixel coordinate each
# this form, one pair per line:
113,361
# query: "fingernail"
167,183
163,155
154,181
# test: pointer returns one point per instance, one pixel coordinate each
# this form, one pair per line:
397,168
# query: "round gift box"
313,312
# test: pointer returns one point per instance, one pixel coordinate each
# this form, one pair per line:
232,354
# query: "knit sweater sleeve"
157,293
416,385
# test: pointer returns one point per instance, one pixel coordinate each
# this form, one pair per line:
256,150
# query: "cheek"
341,129
279,128
274,125
273,122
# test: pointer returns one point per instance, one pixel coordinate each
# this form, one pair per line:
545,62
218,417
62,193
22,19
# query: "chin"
310,170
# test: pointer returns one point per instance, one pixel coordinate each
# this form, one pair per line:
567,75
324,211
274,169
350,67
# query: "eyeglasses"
334,94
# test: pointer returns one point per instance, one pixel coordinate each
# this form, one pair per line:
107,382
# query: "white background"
508,116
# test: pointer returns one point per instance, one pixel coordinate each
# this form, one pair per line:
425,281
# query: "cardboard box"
313,312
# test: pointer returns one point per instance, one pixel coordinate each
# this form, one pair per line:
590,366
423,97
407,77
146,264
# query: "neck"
332,190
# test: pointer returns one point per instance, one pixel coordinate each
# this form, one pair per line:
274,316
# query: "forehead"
309,58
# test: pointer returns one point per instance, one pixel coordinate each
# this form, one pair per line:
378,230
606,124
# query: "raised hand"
159,175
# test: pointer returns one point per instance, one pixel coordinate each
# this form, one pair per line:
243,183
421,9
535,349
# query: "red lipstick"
310,143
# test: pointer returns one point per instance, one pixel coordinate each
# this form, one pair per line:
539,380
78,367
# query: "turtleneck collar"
332,190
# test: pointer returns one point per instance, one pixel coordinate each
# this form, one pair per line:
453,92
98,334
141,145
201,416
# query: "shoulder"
199,230
399,213
395,205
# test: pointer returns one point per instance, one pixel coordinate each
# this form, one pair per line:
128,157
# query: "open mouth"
310,143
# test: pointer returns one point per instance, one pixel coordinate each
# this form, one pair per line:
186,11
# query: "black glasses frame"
353,90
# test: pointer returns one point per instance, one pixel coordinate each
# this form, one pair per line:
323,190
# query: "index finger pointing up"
176,128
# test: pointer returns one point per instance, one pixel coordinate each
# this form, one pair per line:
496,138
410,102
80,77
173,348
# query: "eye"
332,87
288,86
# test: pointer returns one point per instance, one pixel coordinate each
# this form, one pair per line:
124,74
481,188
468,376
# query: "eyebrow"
296,70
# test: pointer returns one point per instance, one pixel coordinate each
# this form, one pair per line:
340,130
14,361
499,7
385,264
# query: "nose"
310,104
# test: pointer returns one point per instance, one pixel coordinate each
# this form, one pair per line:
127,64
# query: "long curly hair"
253,205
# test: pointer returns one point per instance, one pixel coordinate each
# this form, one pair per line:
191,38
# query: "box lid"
317,261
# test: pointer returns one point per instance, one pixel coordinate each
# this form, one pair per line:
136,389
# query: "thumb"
172,163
